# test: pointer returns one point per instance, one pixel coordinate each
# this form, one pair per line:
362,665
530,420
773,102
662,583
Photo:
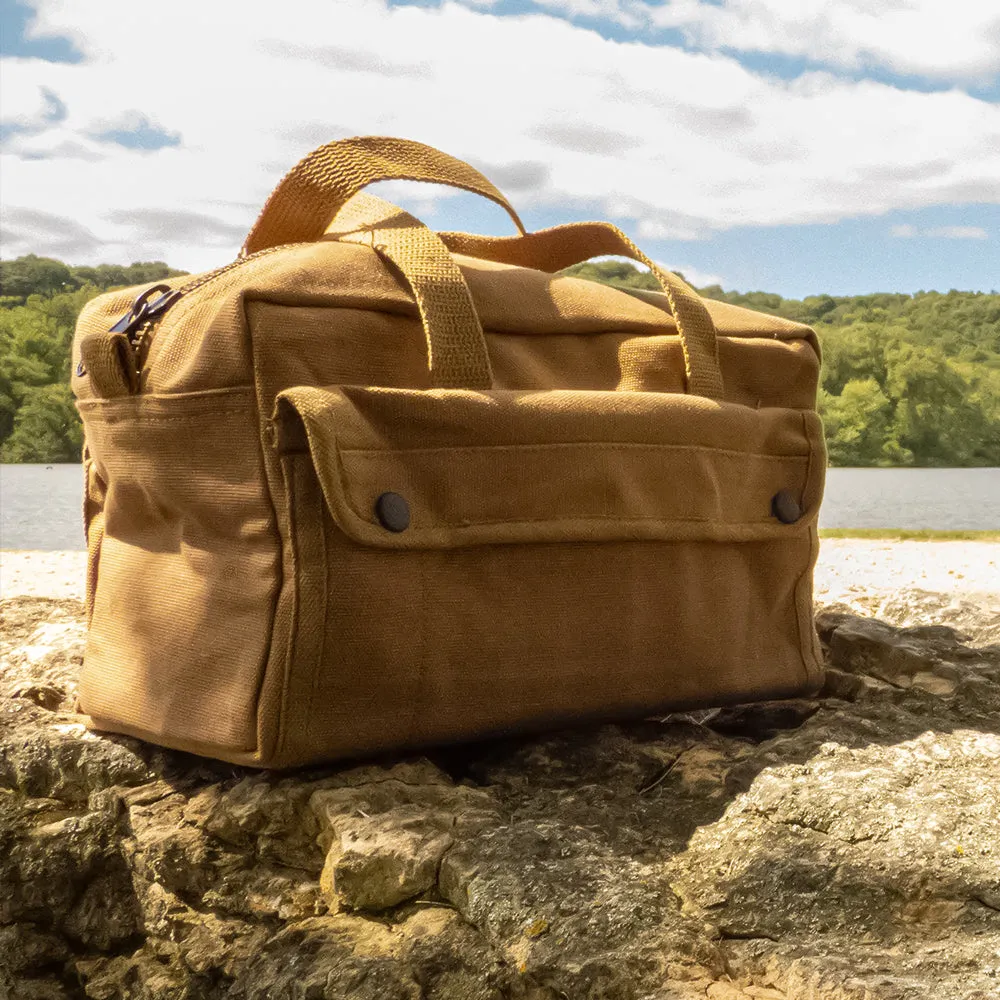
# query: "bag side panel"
93,525
188,573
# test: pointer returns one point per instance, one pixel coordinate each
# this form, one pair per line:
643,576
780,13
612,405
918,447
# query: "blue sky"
841,146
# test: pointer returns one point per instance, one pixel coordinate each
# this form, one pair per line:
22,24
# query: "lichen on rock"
840,848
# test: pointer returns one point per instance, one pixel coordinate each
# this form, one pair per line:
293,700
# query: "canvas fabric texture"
588,474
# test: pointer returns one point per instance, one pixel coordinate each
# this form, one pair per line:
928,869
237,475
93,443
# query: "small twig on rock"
663,775
700,718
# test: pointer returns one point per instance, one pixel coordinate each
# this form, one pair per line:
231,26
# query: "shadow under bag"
372,487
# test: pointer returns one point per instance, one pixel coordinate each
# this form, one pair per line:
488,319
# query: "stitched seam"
189,418
195,395
609,445
158,408
623,518
289,473
316,499
342,482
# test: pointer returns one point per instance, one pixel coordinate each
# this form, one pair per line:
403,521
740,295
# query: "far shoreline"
911,534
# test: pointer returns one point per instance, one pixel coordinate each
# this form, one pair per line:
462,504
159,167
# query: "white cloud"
661,228
672,144
941,232
694,276
959,232
956,41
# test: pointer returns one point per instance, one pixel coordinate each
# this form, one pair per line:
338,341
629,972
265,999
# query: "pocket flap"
478,468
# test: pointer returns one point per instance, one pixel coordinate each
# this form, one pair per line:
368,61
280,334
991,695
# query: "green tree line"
906,379
40,299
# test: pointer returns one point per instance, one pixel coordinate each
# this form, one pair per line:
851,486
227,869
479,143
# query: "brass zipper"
147,311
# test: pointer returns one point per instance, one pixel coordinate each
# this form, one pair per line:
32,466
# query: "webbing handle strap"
309,196
562,246
306,203
424,258
456,348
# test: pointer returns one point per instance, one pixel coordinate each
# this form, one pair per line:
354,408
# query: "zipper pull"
144,311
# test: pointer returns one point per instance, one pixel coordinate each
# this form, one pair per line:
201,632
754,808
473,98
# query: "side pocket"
187,562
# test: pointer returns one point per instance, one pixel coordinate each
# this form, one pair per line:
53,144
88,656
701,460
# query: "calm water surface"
40,505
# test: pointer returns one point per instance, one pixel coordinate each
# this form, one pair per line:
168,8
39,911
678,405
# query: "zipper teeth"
145,333
192,286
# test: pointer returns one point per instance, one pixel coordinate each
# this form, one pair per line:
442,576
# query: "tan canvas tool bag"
372,487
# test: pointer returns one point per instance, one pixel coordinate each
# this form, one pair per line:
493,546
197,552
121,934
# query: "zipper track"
141,321
204,279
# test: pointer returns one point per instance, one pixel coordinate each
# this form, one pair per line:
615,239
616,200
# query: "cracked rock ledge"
841,848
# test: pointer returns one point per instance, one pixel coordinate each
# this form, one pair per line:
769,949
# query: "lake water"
40,505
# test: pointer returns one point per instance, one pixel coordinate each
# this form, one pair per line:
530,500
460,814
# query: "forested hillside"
907,379
40,299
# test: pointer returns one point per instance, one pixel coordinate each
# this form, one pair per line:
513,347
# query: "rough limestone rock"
844,848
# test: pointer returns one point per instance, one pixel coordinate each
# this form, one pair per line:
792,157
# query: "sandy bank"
859,572
42,574
852,566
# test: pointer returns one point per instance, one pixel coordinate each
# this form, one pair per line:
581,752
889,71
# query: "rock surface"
844,848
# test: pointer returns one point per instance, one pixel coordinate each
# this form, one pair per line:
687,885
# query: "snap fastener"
785,507
393,512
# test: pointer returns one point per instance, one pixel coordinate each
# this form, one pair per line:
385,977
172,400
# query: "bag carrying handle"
545,250
456,347
309,196
562,246
306,203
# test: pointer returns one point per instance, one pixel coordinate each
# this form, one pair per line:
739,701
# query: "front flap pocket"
404,468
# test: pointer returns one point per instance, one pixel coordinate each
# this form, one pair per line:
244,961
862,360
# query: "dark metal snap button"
393,512
785,507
